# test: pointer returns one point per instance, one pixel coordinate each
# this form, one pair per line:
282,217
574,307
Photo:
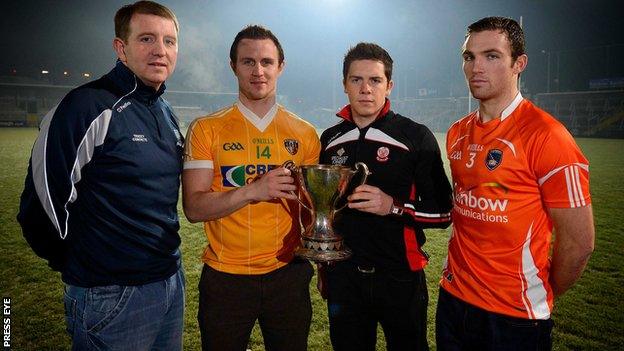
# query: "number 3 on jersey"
470,162
266,152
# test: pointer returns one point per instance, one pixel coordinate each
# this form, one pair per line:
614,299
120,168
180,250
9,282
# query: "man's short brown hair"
367,51
124,15
507,26
255,32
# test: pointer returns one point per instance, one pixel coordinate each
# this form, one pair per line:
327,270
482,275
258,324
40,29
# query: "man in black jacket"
103,184
383,282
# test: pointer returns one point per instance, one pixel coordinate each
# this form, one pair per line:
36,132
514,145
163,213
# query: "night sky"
424,38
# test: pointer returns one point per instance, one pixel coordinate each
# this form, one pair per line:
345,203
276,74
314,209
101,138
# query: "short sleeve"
562,170
313,148
198,146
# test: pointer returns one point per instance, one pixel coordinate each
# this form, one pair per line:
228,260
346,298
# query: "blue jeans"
114,317
461,326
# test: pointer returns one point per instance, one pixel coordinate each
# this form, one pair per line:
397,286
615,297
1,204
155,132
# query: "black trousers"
230,304
461,326
361,297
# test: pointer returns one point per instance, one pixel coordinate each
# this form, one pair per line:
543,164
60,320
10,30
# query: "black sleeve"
323,159
430,203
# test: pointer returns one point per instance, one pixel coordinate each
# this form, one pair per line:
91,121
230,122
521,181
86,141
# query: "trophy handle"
365,171
359,167
290,165
301,202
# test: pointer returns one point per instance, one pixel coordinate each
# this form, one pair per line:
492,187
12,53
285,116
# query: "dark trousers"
361,297
230,304
461,326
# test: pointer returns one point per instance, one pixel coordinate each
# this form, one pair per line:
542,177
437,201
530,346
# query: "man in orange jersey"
517,173
233,182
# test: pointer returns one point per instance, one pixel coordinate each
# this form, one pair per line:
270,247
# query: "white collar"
260,123
510,108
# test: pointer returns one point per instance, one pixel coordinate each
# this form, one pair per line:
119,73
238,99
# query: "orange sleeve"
561,169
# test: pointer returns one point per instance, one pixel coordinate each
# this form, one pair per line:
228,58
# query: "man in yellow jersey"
517,175
233,182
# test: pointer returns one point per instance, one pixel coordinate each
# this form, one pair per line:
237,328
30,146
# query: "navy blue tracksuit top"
104,177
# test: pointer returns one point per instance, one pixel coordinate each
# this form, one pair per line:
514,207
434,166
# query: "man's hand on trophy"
277,183
368,198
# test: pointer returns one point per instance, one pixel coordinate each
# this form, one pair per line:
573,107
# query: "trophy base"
323,256
323,251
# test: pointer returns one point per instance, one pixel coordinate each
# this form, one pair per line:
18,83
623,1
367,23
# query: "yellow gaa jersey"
239,146
507,173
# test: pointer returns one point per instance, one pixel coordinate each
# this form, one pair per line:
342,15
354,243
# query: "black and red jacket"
405,162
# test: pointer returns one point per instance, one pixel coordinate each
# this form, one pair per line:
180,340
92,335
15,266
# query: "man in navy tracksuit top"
100,199
383,282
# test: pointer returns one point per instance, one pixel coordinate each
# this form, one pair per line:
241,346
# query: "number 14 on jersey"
263,152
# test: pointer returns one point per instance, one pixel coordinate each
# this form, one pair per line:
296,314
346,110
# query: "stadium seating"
585,114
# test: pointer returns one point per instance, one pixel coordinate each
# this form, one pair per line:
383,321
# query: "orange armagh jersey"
239,146
506,174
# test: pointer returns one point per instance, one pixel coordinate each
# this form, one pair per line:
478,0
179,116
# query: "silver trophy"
322,191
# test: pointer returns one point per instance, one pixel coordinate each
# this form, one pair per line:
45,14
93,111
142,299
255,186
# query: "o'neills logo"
122,107
481,208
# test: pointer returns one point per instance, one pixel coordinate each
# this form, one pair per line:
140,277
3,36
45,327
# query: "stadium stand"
189,105
597,114
25,103
436,113
10,114
586,114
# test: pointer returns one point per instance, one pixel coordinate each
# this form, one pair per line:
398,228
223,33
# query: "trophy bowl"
325,188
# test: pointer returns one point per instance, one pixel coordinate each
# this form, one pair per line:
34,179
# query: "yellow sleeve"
198,147
313,148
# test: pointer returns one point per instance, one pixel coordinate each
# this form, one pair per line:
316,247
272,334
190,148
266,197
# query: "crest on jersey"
382,154
493,159
292,146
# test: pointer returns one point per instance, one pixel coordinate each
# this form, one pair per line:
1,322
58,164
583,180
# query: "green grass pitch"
589,317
